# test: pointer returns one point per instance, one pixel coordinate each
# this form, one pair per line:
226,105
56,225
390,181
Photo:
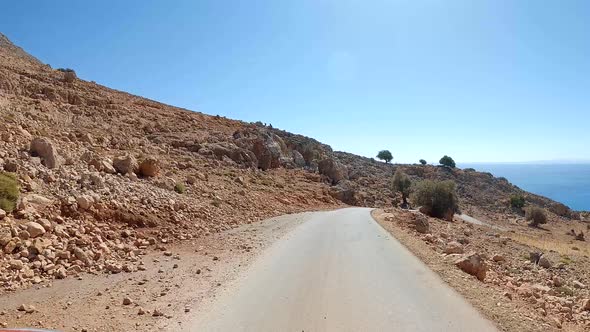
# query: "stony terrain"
107,179
508,284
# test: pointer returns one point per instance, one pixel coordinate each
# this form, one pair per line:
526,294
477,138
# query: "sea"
565,183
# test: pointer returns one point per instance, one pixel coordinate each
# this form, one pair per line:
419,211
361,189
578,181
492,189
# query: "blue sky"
478,80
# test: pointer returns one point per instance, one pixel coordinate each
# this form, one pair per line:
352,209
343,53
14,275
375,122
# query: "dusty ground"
516,294
178,282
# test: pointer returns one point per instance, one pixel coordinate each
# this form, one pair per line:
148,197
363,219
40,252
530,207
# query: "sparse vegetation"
180,188
65,70
517,201
402,184
385,155
423,162
9,191
536,216
437,198
447,161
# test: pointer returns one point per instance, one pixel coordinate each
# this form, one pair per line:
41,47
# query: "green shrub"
385,155
422,161
517,201
9,191
437,198
536,216
180,188
402,184
447,161
65,70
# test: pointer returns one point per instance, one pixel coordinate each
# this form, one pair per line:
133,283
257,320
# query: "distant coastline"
565,182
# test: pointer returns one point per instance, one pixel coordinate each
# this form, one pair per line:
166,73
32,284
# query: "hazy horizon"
479,81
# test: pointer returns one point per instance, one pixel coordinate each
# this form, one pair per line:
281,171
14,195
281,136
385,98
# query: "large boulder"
44,148
333,170
473,264
344,192
298,159
270,150
125,164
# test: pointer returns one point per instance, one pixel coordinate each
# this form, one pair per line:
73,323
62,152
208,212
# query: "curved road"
340,271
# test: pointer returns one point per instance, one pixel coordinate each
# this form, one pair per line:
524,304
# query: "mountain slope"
105,173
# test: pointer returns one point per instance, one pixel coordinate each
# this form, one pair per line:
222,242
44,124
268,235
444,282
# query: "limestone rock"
44,148
125,164
34,229
473,264
333,170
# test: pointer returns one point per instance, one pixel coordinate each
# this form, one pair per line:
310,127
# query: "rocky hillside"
104,175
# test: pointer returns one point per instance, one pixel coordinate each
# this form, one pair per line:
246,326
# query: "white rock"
34,229
84,202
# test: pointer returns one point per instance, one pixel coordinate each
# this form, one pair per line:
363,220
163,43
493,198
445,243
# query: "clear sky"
478,80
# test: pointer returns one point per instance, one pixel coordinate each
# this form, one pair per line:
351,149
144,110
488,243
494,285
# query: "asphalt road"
339,271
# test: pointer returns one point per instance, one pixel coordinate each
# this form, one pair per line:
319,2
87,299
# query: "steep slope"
104,174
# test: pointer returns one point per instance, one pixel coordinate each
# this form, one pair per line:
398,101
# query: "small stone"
557,281
141,311
578,284
127,301
498,258
157,313
544,262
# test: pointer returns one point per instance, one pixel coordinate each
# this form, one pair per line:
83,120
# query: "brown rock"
421,223
149,167
473,264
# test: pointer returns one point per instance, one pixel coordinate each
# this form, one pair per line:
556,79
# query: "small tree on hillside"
422,161
536,216
517,201
436,198
402,184
385,155
447,161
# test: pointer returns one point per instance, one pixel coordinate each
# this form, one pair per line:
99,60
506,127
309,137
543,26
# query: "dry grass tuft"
560,246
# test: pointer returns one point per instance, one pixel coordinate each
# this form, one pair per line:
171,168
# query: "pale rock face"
333,169
125,164
34,229
84,201
44,148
